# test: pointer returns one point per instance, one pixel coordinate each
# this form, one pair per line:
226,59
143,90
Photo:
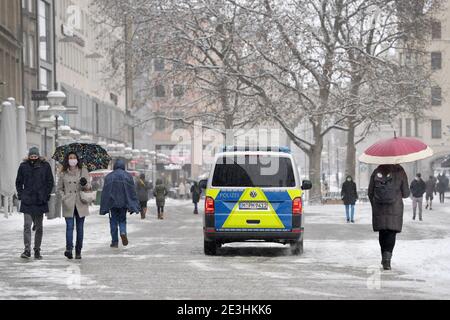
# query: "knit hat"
34,151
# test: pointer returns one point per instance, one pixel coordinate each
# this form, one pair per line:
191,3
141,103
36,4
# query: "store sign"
39,95
172,167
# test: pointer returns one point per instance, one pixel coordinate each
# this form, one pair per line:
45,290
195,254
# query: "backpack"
384,192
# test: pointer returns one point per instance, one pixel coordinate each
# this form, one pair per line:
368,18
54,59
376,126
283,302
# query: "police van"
254,194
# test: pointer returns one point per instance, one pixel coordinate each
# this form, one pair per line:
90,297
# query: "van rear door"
254,193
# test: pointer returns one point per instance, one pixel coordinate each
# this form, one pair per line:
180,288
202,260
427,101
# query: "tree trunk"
315,157
350,163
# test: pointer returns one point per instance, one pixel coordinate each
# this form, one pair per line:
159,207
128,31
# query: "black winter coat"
349,193
196,192
34,184
418,188
389,216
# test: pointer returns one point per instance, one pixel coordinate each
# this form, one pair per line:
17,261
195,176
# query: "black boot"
78,255
26,254
386,262
68,254
37,254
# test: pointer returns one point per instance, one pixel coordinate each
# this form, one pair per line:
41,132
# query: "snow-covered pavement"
165,260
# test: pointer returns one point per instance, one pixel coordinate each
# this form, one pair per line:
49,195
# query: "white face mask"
73,162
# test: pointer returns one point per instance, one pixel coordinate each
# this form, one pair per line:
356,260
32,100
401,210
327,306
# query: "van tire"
297,248
210,248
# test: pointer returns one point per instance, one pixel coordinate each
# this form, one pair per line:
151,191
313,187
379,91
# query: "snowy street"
165,260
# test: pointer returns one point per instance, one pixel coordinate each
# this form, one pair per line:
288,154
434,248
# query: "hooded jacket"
119,191
349,193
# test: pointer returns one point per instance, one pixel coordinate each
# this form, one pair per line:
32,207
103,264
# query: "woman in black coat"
387,189
196,192
349,195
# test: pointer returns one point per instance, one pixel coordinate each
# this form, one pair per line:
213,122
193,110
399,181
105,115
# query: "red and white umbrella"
396,151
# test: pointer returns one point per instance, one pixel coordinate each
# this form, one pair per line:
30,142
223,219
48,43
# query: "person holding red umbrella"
389,186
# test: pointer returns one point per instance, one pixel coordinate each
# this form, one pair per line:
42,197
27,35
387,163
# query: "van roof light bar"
258,148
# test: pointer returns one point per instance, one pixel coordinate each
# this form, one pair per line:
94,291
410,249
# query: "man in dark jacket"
349,195
442,186
430,187
387,189
118,197
196,192
34,184
418,188
142,190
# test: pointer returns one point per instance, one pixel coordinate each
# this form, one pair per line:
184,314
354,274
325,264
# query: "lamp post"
56,100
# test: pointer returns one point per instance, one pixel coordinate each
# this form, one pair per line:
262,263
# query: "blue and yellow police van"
254,194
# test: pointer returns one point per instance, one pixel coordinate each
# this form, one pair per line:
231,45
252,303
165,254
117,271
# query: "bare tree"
196,42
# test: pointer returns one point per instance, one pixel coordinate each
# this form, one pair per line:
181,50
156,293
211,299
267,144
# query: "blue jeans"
118,220
350,212
70,224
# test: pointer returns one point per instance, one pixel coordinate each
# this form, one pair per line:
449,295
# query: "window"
25,49
436,60
436,129
160,123
45,79
160,91
436,96
158,64
44,31
436,30
254,171
178,90
408,128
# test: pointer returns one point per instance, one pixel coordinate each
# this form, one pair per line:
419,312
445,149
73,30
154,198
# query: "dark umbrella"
93,156
446,163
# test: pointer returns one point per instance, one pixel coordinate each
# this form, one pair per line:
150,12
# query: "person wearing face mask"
73,179
349,195
34,184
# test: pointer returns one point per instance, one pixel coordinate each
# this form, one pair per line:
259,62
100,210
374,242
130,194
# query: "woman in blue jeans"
72,179
349,195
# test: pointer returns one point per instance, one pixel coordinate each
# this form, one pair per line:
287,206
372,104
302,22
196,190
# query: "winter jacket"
430,187
348,193
34,184
119,191
196,192
142,188
442,185
418,188
160,194
69,189
389,216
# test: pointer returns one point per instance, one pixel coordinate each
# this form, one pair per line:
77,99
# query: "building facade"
79,64
11,51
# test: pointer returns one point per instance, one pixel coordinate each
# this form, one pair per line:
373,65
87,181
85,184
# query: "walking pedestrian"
160,192
142,190
187,187
418,189
430,187
387,189
73,179
442,186
118,197
349,195
34,184
196,192
182,190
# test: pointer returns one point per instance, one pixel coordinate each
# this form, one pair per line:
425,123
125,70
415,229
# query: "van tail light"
297,206
209,205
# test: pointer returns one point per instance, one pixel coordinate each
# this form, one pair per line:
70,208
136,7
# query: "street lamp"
56,100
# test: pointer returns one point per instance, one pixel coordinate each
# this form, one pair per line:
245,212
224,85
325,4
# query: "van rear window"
254,171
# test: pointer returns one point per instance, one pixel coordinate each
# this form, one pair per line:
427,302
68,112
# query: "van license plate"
253,206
